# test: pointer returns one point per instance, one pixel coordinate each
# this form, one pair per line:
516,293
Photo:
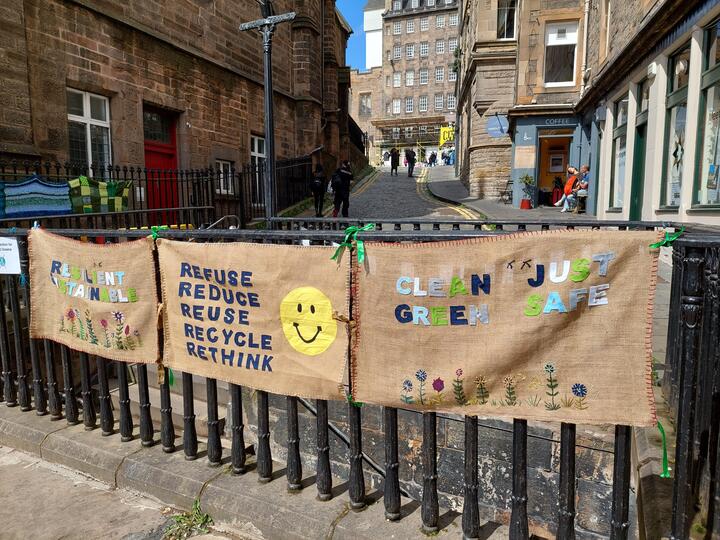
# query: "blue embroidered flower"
549,368
407,385
579,390
421,375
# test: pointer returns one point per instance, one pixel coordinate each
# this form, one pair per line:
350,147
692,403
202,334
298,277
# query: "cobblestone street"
388,196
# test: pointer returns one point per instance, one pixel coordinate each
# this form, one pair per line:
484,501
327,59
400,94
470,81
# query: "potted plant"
529,188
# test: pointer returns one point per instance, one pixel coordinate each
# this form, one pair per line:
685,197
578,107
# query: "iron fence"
693,375
167,196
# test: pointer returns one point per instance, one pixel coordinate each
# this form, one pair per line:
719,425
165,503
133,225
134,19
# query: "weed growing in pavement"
189,524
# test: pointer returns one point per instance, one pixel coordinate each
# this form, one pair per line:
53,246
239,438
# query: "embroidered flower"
420,375
549,368
127,330
579,390
459,372
509,380
480,380
136,333
119,317
103,323
438,385
71,314
407,385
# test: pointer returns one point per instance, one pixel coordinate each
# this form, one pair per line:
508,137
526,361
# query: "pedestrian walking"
341,180
411,159
394,160
318,186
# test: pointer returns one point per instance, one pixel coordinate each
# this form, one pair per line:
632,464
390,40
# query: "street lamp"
266,26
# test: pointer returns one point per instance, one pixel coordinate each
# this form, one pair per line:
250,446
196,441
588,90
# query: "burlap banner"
266,316
99,299
545,326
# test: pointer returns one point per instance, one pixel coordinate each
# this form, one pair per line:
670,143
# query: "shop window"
506,19
560,54
675,118
88,128
709,129
619,155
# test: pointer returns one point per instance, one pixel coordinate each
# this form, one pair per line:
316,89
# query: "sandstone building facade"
405,102
168,84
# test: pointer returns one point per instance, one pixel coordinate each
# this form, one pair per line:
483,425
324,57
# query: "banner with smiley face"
269,317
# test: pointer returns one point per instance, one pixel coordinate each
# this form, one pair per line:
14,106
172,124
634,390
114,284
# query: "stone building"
168,84
406,101
485,88
652,107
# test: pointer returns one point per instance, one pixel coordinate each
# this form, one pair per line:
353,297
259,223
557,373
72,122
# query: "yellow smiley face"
307,320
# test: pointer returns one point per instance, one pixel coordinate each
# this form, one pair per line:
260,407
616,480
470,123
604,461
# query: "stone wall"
594,465
185,57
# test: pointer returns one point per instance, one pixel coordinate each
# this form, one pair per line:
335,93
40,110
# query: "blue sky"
352,10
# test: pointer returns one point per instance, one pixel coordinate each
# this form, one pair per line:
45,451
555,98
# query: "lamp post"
266,26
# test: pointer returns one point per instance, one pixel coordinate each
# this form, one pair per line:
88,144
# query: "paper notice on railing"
98,299
552,326
270,317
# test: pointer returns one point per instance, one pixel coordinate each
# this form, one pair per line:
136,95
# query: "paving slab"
26,431
88,451
169,477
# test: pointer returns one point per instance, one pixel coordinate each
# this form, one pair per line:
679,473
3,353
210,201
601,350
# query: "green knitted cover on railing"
88,195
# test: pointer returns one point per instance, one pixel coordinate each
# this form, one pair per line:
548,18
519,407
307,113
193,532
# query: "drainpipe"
583,67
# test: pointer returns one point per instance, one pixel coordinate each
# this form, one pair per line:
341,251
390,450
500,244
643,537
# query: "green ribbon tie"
170,377
155,229
669,239
666,469
352,402
351,237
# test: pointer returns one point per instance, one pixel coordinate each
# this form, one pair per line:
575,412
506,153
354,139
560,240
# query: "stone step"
177,409
199,390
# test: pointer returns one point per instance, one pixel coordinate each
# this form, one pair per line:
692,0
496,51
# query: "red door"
160,161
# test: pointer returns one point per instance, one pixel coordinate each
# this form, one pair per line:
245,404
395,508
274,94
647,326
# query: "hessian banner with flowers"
270,317
551,326
98,299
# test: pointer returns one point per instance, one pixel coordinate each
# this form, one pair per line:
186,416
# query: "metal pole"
269,180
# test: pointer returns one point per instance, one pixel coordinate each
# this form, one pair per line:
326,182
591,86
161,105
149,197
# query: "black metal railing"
166,196
693,369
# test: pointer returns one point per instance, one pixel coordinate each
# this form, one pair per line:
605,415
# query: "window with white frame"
415,4
424,48
423,130
440,46
409,105
448,2
397,104
397,52
560,53
439,74
452,74
452,44
439,102
410,50
397,79
451,102
423,104
410,77
619,154
388,107
410,26
365,108
440,21
397,5
397,28
258,159
423,75
395,133
387,80
424,23
430,3
506,19
453,20
225,184
88,128
409,132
